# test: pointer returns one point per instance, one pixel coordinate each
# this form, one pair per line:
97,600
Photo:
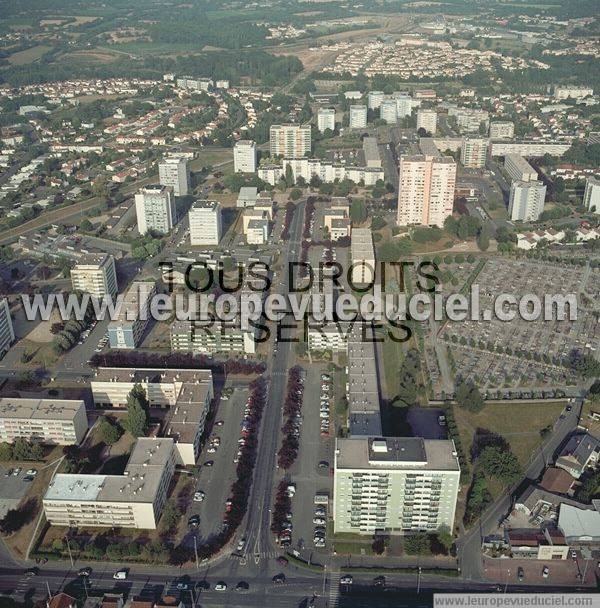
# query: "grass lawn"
211,156
593,426
28,55
519,423
392,357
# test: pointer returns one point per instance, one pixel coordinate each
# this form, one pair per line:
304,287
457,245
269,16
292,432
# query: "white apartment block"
330,337
395,485
257,231
134,499
591,196
427,119
374,99
206,223
473,152
529,148
362,255
53,421
518,169
326,119
186,393
574,92
502,129
387,111
326,171
526,201
209,338
469,120
95,274
175,172
357,117
405,105
244,156
426,190
134,314
289,140
7,333
155,209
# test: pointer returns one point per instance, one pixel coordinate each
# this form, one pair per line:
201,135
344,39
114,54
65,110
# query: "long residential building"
187,393
7,333
529,148
95,274
134,499
394,485
54,421
209,337
134,315
519,169
290,140
362,255
326,171
155,209
426,190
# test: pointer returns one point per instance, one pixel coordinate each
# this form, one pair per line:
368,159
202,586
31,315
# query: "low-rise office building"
54,421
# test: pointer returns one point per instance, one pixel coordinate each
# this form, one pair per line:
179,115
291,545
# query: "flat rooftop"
39,409
92,259
396,453
361,245
139,482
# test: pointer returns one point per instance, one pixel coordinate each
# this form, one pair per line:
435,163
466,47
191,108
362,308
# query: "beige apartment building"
426,190
54,421
132,500
186,392
289,140
95,274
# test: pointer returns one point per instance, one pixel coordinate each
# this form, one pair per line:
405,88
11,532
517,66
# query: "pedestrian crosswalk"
334,588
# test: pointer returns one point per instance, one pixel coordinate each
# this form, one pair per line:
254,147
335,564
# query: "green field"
29,55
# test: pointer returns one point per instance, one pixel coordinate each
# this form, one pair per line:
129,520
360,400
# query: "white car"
220,587
319,520
241,544
211,450
199,496
120,575
346,580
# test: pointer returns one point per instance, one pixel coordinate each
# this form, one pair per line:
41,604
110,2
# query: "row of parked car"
325,408
29,474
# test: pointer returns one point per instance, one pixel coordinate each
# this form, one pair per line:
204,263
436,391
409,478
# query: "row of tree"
292,406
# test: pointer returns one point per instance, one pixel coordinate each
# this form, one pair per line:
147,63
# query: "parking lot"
215,481
306,474
13,487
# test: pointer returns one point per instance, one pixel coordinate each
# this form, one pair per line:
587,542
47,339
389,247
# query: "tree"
501,464
170,516
15,519
468,396
137,419
483,239
417,544
109,431
444,537
295,194
6,451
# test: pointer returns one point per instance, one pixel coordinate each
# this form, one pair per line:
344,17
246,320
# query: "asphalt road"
258,536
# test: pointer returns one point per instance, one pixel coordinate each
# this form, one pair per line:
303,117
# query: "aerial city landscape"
299,303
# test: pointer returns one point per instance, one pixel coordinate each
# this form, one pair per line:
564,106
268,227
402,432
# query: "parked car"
194,521
85,571
242,586
279,579
120,575
545,572
520,574
241,544
199,496
346,579
221,586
